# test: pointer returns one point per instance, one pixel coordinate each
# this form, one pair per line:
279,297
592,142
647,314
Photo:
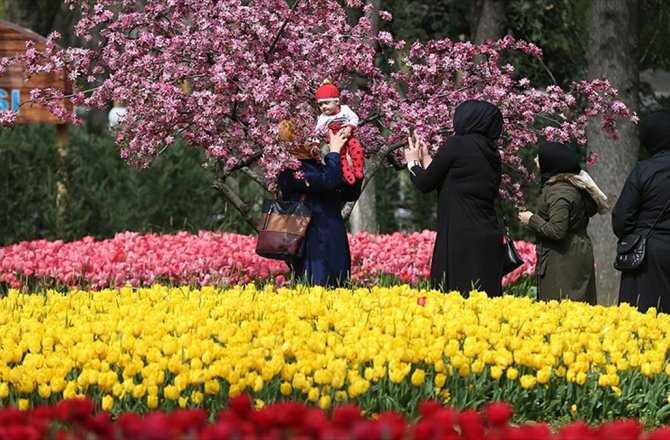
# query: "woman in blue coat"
326,260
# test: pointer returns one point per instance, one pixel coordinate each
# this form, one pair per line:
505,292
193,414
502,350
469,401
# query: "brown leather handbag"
282,228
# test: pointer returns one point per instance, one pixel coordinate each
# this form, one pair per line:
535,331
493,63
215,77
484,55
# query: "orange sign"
14,90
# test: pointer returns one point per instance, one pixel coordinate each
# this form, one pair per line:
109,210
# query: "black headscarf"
555,159
478,117
483,122
655,132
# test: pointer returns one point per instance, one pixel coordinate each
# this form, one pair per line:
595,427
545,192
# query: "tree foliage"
221,74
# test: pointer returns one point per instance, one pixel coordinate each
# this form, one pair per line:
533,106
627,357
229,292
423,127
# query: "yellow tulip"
418,377
107,402
496,372
285,388
118,391
44,390
24,404
197,397
258,384
604,380
139,391
212,387
152,401
463,370
324,402
70,391
477,366
543,375
527,381
313,394
171,392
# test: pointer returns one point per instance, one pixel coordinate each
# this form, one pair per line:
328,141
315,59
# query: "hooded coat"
644,194
568,199
466,172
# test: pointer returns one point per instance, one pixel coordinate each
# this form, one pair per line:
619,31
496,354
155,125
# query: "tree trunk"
487,20
34,15
22,12
364,215
612,54
62,186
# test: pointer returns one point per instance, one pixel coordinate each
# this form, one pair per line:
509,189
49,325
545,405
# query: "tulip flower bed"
383,349
208,259
76,419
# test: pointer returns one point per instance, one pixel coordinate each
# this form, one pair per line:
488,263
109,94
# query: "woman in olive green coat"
568,198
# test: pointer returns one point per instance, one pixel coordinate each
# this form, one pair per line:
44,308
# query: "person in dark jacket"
466,172
326,258
642,199
568,199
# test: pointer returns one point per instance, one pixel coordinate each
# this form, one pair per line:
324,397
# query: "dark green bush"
105,194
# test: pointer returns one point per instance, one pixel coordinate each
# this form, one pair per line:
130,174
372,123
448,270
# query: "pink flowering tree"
221,74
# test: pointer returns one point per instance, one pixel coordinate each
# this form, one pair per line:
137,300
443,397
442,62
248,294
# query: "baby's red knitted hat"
327,92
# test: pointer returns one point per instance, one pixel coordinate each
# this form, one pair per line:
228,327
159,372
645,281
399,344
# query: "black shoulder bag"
511,257
632,248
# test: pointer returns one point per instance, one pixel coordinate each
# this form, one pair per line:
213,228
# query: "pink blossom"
248,65
385,15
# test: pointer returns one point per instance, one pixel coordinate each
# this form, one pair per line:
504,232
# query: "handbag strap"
279,196
502,218
658,218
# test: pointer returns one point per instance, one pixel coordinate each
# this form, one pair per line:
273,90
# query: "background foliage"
175,193
106,196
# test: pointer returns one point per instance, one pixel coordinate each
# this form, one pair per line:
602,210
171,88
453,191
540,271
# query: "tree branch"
256,177
546,68
649,46
220,185
227,171
281,31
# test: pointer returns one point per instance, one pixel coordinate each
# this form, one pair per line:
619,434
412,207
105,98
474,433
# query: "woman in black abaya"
466,172
641,202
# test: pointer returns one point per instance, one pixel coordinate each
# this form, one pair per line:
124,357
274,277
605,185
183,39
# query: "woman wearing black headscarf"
466,173
641,202
568,198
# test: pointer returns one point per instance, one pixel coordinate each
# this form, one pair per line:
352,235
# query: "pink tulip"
212,258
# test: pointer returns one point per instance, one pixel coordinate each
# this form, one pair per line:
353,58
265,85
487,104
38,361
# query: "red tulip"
471,425
346,416
241,405
498,413
577,431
